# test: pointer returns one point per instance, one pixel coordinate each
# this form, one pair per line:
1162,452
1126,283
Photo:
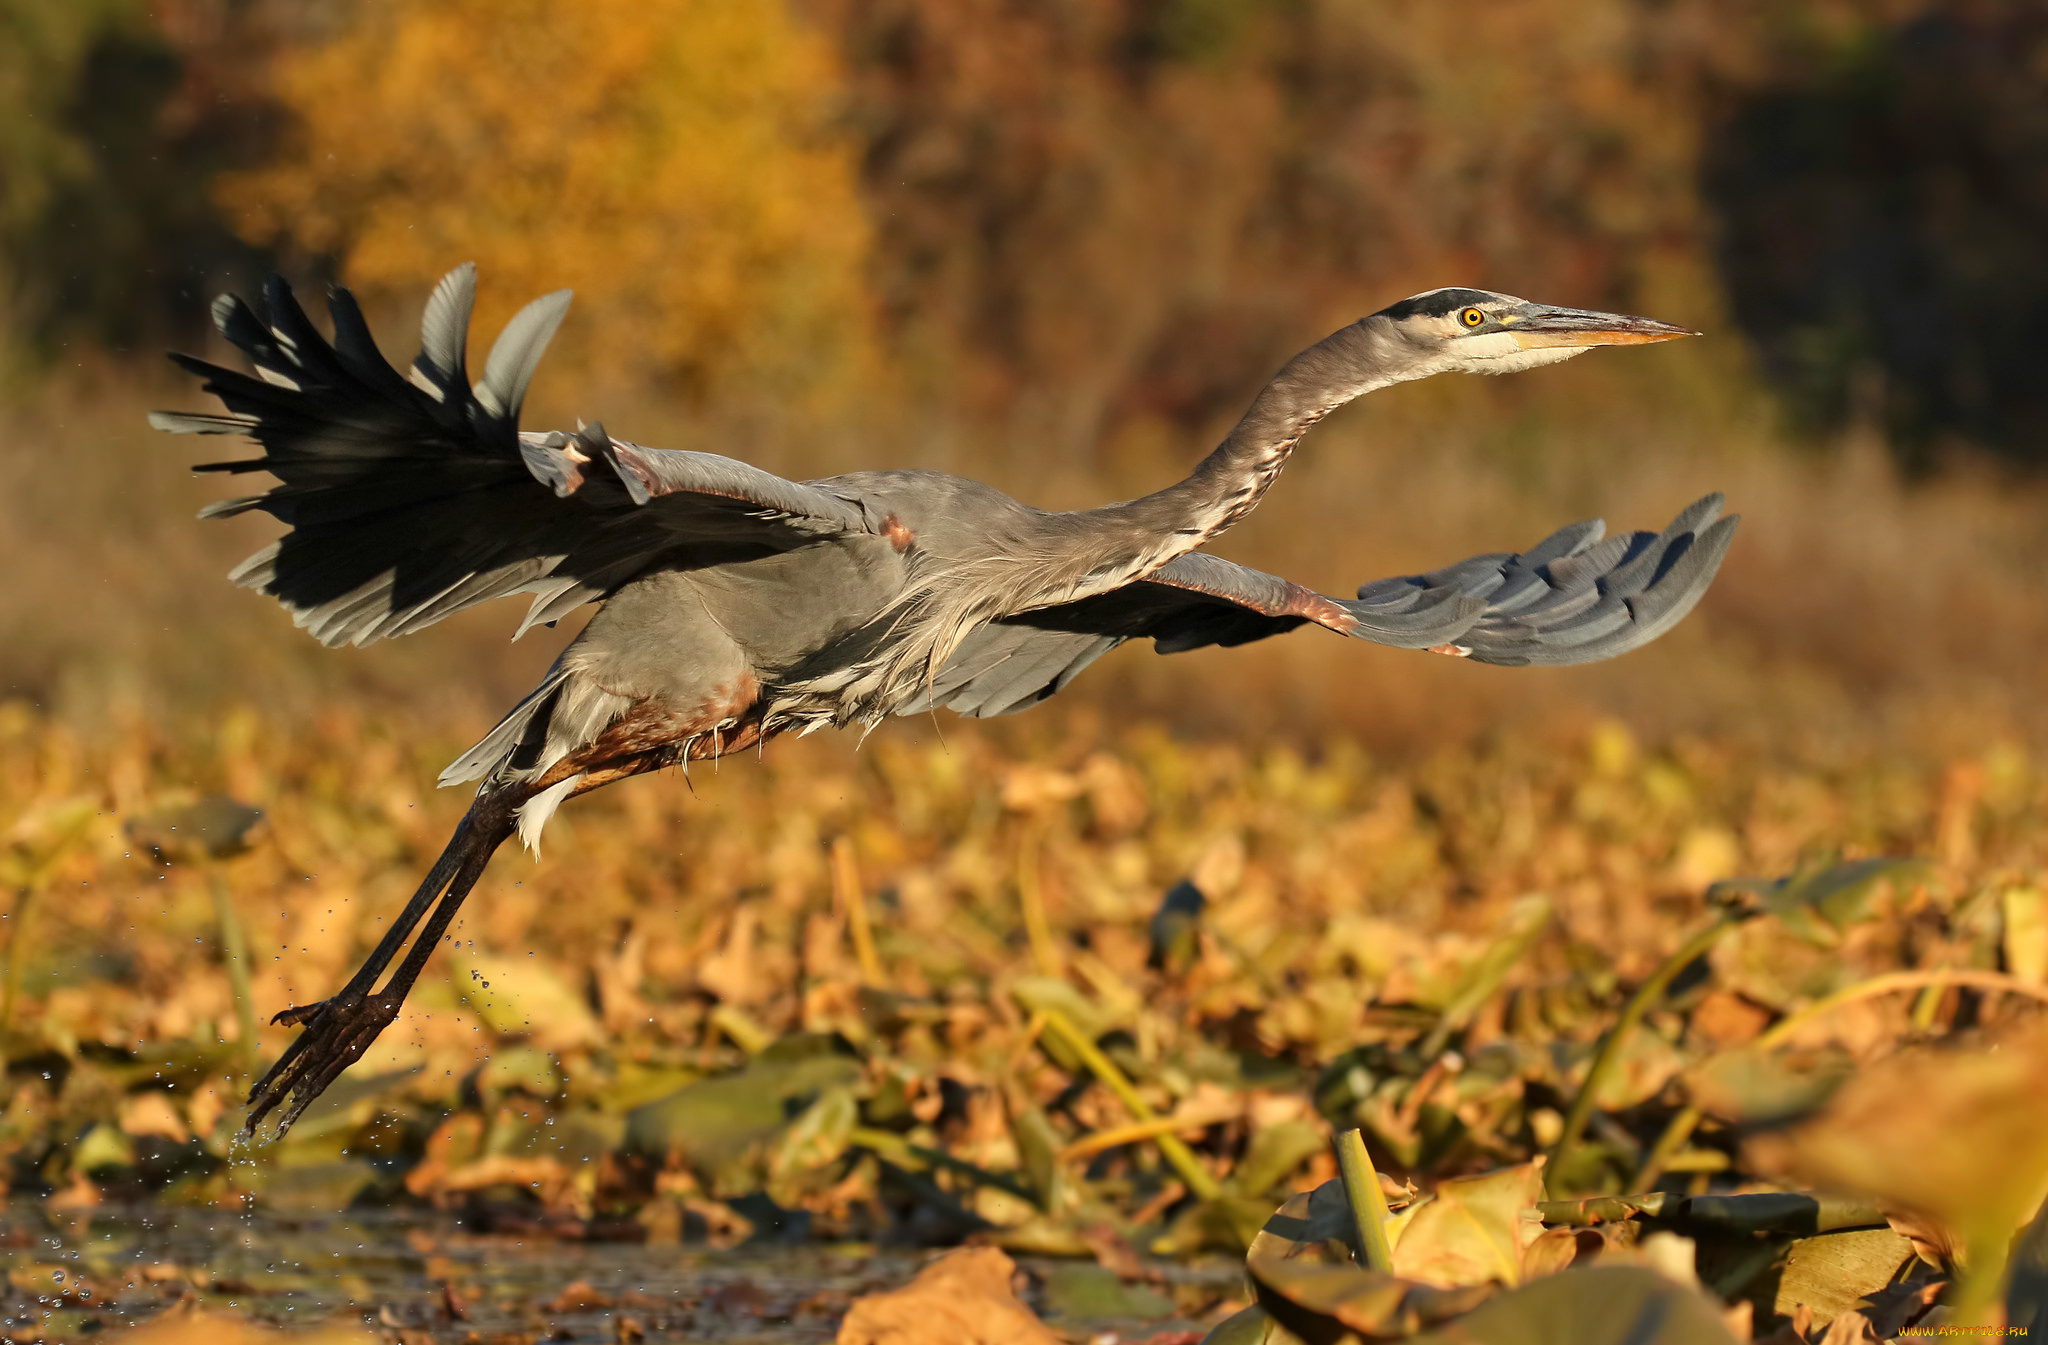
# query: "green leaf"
518,997
100,1148
1597,1305
1229,1223
216,827
1253,1326
1302,1268
1086,1291
713,1124
818,1136
522,1069
1038,1145
1049,994
1272,1154
1819,904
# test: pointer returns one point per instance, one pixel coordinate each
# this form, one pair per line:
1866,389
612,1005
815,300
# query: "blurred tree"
109,136
1883,198
672,160
1121,207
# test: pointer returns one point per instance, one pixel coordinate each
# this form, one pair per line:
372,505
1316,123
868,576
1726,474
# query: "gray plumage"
736,604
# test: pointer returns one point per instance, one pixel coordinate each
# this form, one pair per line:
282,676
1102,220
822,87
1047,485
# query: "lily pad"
1597,1305
1831,1273
1821,904
712,1124
215,827
518,997
1475,1230
1085,1291
1275,1152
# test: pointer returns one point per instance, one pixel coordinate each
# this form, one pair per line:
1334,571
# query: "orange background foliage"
670,161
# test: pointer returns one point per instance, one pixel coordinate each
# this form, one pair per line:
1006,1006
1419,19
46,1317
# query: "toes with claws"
336,1033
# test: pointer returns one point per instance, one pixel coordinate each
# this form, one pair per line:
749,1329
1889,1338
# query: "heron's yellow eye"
1471,317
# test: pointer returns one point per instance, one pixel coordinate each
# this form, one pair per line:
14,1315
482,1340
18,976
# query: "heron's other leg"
338,1030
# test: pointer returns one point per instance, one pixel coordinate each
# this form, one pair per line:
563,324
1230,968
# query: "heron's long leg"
430,887
338,1030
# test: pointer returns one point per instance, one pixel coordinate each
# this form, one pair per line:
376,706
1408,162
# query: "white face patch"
1488,346
1499,353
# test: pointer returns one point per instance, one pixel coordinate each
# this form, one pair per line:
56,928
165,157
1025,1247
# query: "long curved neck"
1227,485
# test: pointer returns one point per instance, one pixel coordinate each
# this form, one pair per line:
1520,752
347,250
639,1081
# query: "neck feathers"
1227,485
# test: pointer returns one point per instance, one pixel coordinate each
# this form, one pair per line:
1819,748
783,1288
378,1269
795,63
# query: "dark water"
73,1276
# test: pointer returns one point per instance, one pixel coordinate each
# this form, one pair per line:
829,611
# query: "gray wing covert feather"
1002,668
1578,596
411,497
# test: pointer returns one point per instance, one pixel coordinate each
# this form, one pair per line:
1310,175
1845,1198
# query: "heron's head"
1480,332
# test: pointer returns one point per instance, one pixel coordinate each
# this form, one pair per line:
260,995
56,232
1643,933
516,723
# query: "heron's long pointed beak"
1540,326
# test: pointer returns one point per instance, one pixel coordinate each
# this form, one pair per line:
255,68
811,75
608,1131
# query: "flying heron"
736,605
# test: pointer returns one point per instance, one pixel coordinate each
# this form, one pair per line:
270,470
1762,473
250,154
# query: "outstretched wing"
1576,597
410,498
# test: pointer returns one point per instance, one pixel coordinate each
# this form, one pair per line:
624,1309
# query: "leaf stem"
904,1154
1667,1146
1368,1202
1183,1160
234,949
1608,1057
24,899
1885,984
1031,895
846,883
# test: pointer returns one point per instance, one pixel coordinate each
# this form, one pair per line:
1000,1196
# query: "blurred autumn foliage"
1067,215
672,162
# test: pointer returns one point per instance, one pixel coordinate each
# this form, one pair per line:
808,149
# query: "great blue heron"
736,605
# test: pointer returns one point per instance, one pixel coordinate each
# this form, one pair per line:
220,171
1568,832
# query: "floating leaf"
712,1124
1085,1291
963,1298
1475,1230
518,997
310,1187
1273,1153
1818,905
1227,1223
1760,1088
1253,1326
1049,994
1315,1293
1596,1305
42,835
1833,1272
519,1068
818,1136
1038,1144
1955,1135
216,827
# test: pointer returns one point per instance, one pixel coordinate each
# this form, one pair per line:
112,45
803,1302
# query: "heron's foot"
298,1015
336,1033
